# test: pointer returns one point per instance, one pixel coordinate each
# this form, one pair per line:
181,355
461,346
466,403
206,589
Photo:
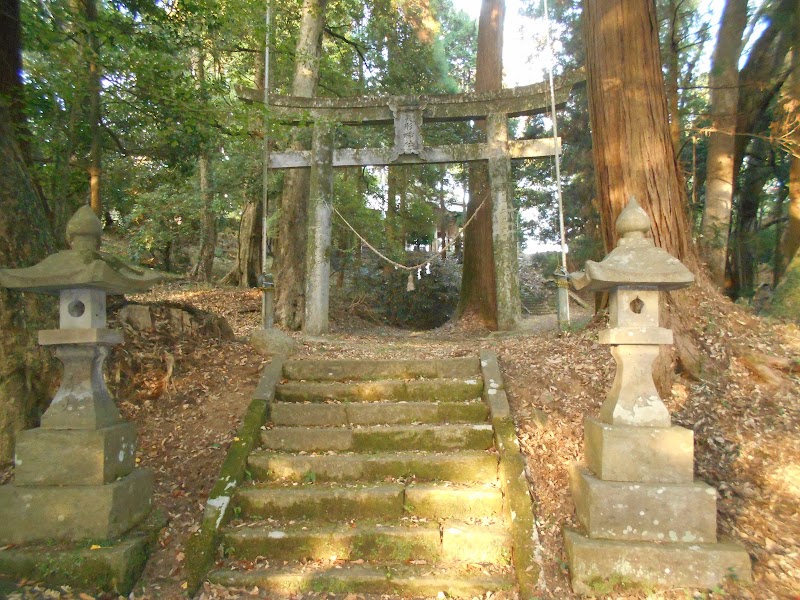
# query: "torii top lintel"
367,110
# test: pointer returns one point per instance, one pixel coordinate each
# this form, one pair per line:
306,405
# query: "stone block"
636,335
113,568
82,308
652,563
272,341
74,512
685,512
640,454
56,337
74,456
629,307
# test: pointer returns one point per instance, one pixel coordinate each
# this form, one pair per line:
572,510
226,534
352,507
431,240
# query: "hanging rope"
398,265
550,60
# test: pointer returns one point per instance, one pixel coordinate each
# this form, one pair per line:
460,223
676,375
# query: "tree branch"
348,41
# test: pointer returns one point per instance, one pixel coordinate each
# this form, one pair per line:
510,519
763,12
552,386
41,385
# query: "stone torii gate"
409,114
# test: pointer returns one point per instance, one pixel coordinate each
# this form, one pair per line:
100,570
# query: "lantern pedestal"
76,487
644,518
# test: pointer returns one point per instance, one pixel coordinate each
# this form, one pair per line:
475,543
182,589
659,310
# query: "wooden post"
320,204
504,240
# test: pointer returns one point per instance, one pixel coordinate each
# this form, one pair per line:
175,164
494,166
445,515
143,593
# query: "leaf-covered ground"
187,394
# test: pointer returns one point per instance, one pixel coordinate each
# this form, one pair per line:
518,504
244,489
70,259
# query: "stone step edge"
448,540
332,370
389,578
336,414
362,466
386,390
375,438
323,502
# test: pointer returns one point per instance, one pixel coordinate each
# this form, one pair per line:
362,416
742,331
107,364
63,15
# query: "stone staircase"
537,302
381,477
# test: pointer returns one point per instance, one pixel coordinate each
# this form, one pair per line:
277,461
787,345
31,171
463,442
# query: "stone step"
417,390
321,502
453,501
361,370
460,466
379,438
454,581
376,413
427,541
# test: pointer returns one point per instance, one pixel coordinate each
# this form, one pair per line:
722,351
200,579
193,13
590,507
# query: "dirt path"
746,429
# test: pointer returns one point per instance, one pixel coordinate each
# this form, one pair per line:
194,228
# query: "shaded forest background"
132,105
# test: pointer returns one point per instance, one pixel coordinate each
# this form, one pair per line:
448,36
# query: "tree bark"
25,238
204,264
724,82
743,250
672,74
791,237
290,276
632,147
92,54
478,297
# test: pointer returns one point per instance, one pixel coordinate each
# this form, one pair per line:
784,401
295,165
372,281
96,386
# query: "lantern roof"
635,262
82,266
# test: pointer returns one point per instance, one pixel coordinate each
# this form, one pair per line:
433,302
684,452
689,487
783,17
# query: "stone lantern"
75,476
645,518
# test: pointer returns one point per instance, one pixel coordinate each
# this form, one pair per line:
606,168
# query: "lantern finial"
84,230
633,222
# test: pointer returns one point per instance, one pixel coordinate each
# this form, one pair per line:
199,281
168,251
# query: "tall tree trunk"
92,53
208,222
290,276
632,147
724,82
478,297
748,201
763,76
791,237
248,258
204,264
673,73
25,238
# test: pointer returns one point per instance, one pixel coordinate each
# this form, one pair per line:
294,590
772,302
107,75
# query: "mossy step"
455,581
418,390
453,501
321,501
459,466
379,438
363,370
452,541
377,413
368,542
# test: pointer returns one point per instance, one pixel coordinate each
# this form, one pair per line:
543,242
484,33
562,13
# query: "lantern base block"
74,512
74,456
97,568
596,566
640,454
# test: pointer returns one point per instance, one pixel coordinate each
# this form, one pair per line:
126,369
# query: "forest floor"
186,394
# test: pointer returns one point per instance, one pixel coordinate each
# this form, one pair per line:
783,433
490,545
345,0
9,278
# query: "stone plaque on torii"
408,114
